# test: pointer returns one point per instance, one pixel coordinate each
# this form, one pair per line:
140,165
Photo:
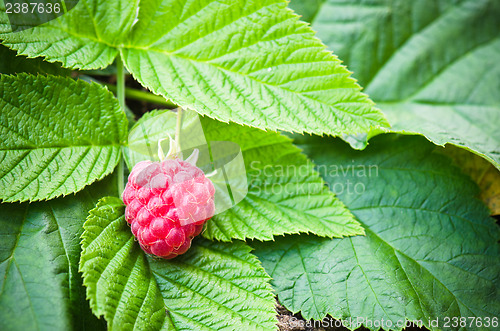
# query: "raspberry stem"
120,94
178,129
175,147
171,148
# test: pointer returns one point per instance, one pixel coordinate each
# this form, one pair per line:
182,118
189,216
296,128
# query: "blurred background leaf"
482,172
41,288
430,65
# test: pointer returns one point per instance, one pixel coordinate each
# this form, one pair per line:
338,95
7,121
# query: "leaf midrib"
35,316
456,299
209,62
367,279
63,243
11,255
308,280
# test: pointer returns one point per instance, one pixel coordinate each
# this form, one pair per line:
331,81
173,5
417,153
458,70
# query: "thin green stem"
121,175
120,94
120,83
139,95
178,129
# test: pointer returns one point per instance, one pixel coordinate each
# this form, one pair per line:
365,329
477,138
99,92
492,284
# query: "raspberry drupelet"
167,204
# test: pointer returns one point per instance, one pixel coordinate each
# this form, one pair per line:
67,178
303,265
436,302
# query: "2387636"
455,322
32,7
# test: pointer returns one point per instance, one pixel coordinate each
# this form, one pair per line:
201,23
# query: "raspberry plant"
281,197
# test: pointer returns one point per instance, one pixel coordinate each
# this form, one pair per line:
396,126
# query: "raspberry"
167,204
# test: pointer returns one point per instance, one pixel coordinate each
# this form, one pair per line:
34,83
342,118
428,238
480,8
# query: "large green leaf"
430,250
431,66
205,59
285,194
214,286
40,287
56,136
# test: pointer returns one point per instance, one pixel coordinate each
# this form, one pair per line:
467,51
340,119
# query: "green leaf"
10,63
208,65
430,248
40,287
87,37
431,66
285,194
116,272
56,136
214,286
201,60
474,128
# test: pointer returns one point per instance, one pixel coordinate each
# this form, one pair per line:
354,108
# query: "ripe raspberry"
167,204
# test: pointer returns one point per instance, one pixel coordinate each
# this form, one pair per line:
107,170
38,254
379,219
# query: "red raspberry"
167,204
